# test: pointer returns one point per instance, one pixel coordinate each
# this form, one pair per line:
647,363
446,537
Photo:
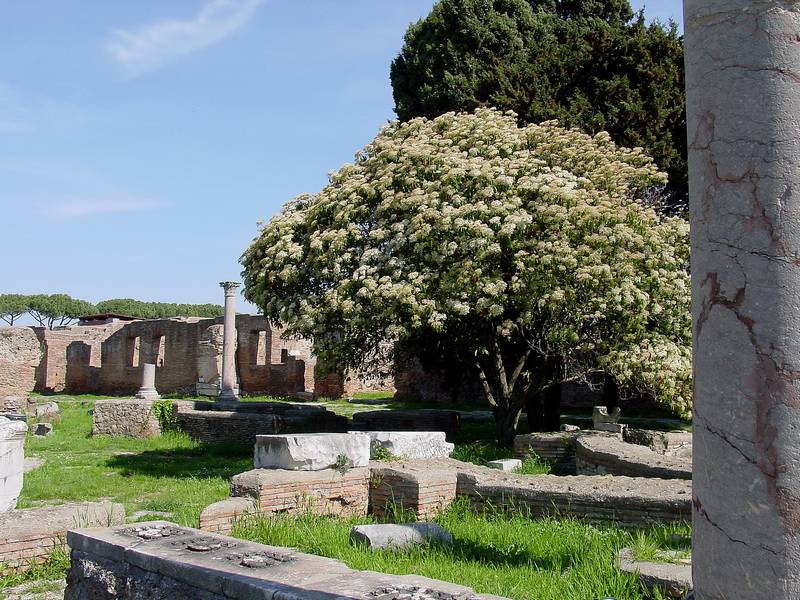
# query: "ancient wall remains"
20,355
107,359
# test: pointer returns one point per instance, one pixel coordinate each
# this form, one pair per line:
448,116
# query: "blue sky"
141,141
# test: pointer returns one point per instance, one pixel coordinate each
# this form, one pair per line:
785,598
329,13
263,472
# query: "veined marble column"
148,391
227,392
743,99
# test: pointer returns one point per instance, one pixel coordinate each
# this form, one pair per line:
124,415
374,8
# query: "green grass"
171,473
507,555
43,573
667,543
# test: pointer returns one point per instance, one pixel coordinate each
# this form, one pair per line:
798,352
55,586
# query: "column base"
147,394
228,397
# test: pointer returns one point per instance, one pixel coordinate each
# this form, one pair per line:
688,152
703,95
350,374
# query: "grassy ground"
171,473
516,557
511,556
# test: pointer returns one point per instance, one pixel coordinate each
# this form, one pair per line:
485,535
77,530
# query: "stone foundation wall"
327,492
253,419
29,536
133,418
162,561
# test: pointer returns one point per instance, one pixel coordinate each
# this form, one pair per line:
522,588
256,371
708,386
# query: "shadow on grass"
207,460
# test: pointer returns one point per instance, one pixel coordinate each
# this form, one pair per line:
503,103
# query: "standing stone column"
148,391
743,98
228,392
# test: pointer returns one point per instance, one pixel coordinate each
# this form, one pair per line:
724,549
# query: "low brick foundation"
601,455
132,418
160,560
327,492
624,501
29,536
221,516
411,487
557,448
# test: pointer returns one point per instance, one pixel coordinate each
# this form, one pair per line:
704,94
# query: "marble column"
148,391
228,391
743,99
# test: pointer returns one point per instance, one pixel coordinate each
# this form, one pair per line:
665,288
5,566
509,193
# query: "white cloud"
153,46
84,208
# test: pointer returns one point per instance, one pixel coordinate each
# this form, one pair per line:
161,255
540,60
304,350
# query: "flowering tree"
529,248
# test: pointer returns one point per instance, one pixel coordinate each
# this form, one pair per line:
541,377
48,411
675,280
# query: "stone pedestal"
12,458
147,391
228,392
743,99
312,451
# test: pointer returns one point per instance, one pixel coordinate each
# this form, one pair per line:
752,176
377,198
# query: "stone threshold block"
312,451
411,444
12,461
162,560
328,492
505,464
604,455
30,536
673,579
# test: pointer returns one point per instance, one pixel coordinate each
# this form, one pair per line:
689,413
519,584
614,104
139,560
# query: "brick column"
743,99
227,391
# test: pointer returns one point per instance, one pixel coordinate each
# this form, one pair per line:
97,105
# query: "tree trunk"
506,420
552,408
610,398
533,408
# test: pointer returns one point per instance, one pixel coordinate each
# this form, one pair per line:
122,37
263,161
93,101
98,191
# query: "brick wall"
30,536
424,492
20,356
328,492
107,359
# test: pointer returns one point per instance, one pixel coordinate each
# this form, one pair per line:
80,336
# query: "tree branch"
501,370
487,389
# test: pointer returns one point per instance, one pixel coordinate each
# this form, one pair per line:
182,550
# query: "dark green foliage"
591,64
158,310
57,310
12,306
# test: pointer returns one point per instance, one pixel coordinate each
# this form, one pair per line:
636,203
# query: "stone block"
506,464
390,535
608,455
312,451
46,410
12,461
412,444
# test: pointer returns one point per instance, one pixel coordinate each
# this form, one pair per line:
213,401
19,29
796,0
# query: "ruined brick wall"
20,357
107,359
